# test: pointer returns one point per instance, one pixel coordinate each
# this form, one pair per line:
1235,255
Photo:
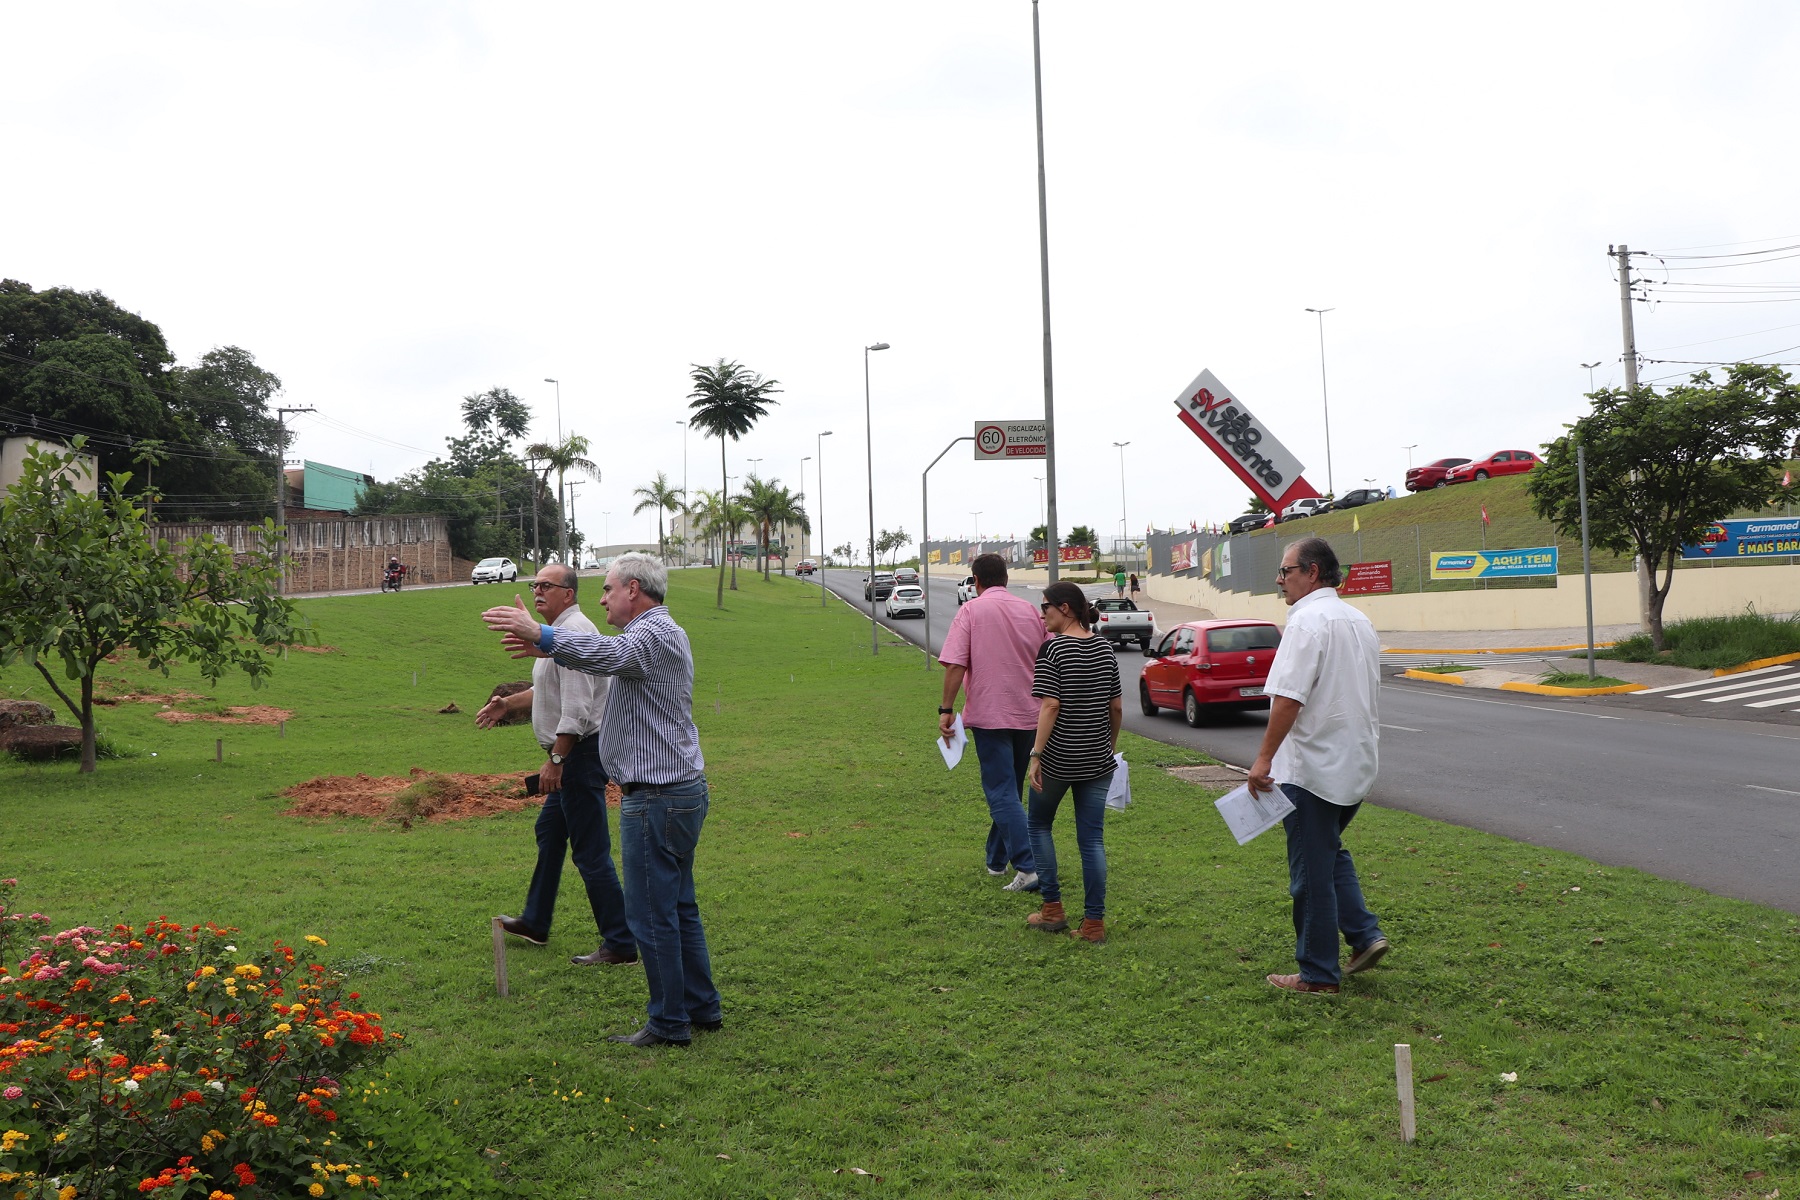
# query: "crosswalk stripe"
1772,703
1675,687
1717,688
1794,686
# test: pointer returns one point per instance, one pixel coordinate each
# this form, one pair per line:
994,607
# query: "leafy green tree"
84,579
845,552
1081,535
1256,505
727,401
1662,466
663,498
769,504
1039,534
568,455
716,515
890,542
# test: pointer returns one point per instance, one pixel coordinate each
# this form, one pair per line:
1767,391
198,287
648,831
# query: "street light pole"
1590,370
824,546
869,427
1037,86
687,534
562,517
1325,397
1409,450
976,513
1124,516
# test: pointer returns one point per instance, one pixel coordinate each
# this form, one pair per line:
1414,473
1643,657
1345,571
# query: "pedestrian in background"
649,744
989,654
566,709
1134,587
1119,581
1080,708
1321,748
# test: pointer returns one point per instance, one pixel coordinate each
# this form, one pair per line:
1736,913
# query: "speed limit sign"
999,440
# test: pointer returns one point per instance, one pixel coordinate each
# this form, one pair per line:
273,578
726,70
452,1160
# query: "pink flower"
13,1093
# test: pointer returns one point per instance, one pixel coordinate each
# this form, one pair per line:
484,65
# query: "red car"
1502,462
1431,475
1204,666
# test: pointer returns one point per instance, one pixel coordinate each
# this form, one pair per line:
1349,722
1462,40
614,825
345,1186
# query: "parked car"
494,570
879,589
1122,621
1501,462
906,600
1209,666
805,566
1360,497
1431,475
906,575
1247,522
965,591
1305,508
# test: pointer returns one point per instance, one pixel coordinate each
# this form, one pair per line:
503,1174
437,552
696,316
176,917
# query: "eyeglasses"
1282,572
538,587
1046,606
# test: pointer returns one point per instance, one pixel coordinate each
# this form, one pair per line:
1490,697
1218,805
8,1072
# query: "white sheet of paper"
952,750
1249,813
1118,793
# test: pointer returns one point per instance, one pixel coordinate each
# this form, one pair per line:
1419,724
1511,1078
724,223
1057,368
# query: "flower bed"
163,1061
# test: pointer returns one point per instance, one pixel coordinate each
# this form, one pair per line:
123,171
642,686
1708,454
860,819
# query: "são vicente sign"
1242,443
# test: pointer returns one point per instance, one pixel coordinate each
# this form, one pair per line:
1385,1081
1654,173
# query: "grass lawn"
886,1007
1711,643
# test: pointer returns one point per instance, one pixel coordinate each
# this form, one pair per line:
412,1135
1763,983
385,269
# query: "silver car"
906,600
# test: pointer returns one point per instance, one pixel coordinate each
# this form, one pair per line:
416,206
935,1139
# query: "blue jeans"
1005,756
1322,880
575,819
659,828
1089,798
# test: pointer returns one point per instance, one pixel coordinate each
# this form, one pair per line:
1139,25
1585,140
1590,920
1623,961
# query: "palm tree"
716,515
663,498
727,401
770,504
570,454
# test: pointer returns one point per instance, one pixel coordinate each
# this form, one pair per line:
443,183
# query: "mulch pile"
431,795
254,714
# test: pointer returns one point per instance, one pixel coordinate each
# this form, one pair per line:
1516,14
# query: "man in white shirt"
566,710
1321,746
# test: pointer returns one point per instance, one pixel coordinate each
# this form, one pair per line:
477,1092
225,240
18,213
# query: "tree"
716,515
846,552
84,580
889,542
663,498
570,454
1081,535
1039,534
769,504
1661,467
727,401
1256,505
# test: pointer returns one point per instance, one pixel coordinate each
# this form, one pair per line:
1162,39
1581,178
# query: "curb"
1433,677
1758,664
1499,649
1544,689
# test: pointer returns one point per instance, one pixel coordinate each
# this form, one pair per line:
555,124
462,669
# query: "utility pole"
281,498
1623,254
1052,558
537,542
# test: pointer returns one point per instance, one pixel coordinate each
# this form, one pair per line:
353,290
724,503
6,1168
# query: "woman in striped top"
1077,683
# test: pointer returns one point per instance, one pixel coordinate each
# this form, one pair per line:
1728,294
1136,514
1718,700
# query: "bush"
1710,643
164,1061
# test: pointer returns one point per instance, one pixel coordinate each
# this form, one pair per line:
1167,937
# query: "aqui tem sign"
1493,564
1242,443
996,441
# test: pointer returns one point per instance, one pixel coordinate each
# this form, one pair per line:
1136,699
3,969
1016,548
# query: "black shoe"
644,1039
520,929
604,958
709,1026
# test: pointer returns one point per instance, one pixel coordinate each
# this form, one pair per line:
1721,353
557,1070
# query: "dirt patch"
254,714
313,650
1213,777
420,795
151,697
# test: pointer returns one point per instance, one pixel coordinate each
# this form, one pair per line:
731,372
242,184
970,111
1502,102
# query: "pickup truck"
1122,621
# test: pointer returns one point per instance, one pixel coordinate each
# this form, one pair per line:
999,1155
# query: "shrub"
1711,643
164,1061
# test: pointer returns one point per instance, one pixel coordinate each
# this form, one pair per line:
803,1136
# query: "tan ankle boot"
1049,918
1090,931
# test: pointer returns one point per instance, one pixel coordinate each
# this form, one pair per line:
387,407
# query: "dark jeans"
1005,757
1322,881
1089,802
659,828
575,818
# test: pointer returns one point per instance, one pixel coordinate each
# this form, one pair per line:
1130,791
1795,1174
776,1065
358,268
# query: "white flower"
215,1085
130,1085
1509,1077
233,949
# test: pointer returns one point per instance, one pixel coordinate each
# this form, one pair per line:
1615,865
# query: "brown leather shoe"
520,929
1049,918
603,958
1090,930
1293,983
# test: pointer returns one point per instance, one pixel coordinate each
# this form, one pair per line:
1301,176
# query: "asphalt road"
1710,802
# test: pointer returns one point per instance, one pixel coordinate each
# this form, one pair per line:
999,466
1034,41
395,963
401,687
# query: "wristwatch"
944,712
557,759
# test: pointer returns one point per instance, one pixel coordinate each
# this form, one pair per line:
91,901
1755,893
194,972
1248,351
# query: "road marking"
1573,712
1406,728
1793,686
1759,787
1715,689
1675,687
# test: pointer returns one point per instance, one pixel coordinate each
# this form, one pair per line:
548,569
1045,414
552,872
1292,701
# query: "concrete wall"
12,463
1697,592
351,553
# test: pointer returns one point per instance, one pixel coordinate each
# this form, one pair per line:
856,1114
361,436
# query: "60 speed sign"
998,440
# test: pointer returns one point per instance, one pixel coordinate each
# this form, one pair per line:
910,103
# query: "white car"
906,600
495,570
1305,508
965,591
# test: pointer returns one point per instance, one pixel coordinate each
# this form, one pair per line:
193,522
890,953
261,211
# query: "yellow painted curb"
1544,689
1434,677
1494,649
1758,664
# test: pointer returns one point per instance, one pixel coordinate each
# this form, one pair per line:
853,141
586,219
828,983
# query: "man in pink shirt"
989,654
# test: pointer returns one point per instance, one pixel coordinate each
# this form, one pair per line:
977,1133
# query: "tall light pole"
1409,450
869,425
1124,519
562,517
687,534
824,546
803,530
1325,397
1037,86
753,462
1590,370
977,515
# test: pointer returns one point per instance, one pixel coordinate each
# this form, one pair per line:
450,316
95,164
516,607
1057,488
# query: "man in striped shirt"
648,744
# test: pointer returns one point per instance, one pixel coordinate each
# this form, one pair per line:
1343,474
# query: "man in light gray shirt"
567,708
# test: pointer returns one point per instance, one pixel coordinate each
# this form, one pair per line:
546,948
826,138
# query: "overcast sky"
392,205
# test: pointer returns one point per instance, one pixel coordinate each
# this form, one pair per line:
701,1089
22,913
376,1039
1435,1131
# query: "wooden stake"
1403,1080
219,750
281,729
415,679
499,959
